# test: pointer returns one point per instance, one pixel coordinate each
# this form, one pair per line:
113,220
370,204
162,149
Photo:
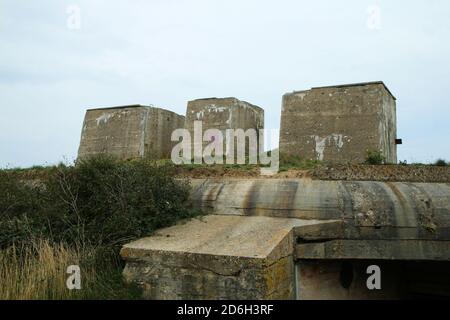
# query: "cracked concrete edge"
228,265
375,250
204,274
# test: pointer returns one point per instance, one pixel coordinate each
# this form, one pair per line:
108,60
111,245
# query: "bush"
100,201
20,209
440,163
374,158
81,215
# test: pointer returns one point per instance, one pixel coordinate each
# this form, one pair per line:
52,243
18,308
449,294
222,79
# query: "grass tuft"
81,215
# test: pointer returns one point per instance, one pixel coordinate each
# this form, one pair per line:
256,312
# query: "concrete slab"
253,237
217,257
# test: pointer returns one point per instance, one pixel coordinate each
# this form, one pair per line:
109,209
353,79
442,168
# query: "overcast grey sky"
166,52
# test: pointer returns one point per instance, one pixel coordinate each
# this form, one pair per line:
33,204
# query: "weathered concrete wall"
392,249
285,239
232,257
217,257
129,132
388,126
223,114
370,210
339,123
161,124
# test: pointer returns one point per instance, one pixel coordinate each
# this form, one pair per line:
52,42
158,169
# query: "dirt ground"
399,173
395,173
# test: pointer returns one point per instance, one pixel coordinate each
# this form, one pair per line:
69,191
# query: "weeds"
81,215
38,272
288,162
375,157
441,163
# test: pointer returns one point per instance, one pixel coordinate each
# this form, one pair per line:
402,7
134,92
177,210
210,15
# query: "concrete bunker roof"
130,107
359,84
226,98
120,107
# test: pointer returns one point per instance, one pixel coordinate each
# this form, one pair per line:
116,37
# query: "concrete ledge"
217,257
376,250
246,258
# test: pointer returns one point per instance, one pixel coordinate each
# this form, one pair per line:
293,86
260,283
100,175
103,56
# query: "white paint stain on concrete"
338,140
199,115
83,131
300,95
144,122
103,118
214,108
230,117
335,139
320,146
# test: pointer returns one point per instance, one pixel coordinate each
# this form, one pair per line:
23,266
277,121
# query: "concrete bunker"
340,123
223,114
128,132
300,239
287,238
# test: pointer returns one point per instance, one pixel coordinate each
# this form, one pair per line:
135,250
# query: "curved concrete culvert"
368,209
217,257
235,254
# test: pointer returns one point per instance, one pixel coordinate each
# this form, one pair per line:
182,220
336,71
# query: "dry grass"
38,272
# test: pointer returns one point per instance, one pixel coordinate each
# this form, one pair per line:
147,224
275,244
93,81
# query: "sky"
58,58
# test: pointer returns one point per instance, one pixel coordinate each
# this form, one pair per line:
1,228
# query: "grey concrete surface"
339,124
216,257
368,210
129,132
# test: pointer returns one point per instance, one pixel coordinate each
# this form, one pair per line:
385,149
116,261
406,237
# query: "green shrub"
81,214
374,157
99,201
440,163
295,162
20,207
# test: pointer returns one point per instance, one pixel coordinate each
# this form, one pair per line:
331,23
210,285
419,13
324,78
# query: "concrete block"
223,114
339,123
129,132
217,257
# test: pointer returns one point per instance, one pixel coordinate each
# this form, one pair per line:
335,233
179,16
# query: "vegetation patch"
441,163
82,214
375,157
